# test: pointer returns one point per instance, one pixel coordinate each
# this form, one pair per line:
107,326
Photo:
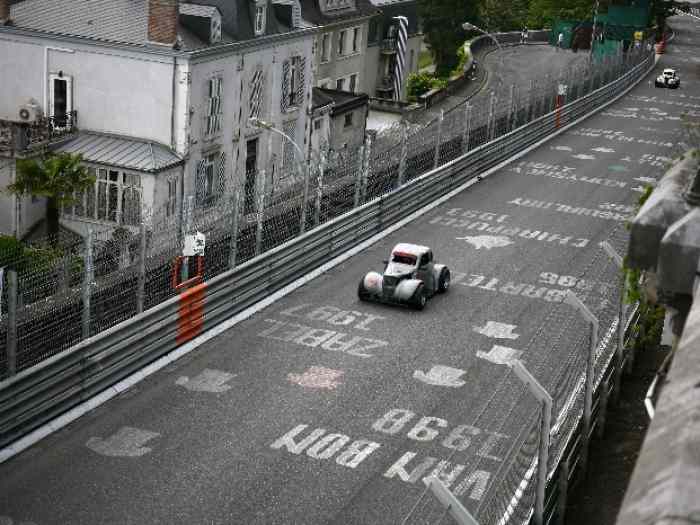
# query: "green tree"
504,15
442,27
660,11
55,177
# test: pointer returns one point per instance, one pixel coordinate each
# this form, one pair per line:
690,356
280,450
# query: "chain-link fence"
559,354
69,290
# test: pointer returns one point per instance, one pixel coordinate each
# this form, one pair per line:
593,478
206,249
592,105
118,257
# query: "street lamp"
303,168
471,27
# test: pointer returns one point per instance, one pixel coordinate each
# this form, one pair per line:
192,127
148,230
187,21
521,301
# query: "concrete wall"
114,90
352,136
18,215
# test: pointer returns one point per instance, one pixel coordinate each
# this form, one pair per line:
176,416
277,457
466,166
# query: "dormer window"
260,19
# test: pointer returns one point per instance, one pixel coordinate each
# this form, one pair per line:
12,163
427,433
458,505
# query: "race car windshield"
404,258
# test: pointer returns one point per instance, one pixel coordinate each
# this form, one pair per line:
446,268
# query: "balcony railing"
388,45
24,138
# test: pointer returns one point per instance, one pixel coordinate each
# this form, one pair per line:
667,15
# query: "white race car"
410,277
669,78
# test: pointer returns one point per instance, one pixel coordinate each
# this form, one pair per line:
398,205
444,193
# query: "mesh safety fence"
69,288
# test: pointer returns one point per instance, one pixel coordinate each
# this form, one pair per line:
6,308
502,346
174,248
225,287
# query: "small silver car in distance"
669,78
410,278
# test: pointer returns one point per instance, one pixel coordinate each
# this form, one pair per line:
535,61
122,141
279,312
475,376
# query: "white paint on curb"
85,407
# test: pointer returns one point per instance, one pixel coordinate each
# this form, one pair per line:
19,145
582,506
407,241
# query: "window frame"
356,43
214,106
348,119
326,47
260,18
341,42
69,93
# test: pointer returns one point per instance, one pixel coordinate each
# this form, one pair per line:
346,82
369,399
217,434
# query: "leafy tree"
55,177
542,13
442,27
660,11
504,15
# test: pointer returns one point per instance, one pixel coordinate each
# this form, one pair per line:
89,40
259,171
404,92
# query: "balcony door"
60,99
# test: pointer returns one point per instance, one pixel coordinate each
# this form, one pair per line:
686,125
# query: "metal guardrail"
41,393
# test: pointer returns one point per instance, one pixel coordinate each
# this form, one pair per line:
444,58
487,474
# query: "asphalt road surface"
320,409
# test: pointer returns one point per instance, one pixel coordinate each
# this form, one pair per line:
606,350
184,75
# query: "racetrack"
204,440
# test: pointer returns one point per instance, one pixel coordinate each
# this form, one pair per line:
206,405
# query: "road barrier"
44,392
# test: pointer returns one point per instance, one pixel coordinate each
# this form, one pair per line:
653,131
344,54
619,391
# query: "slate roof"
126,21
311,12
123,152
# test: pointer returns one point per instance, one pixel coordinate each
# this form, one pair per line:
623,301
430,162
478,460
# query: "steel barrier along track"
49,389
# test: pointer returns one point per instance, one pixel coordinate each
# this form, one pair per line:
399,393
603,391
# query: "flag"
400,65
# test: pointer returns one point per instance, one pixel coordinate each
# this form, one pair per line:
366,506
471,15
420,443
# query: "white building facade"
156,96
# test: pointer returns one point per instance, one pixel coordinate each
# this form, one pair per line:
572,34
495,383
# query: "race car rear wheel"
419,299
362,292
444,280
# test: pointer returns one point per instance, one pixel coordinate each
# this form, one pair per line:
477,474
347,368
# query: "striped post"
400,65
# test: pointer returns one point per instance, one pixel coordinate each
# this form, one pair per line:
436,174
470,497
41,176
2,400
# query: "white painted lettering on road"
207,381
563,173
583,156
619,136
500,355
646,180
329,340
6,520
487,241
318,377
319,445
440,375
497,330
561,148
333,315
569,210
127,442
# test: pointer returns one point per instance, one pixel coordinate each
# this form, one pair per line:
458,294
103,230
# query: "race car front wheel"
444,280
362,292
419,299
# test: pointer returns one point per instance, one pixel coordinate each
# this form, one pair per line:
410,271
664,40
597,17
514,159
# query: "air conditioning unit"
30,112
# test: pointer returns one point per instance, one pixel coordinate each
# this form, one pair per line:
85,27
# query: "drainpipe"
173,143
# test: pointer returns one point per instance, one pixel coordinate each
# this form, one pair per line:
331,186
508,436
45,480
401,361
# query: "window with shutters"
214,107
326,47
289,166
259,19
341,43
256,94
353,83
171,203
210,180
293,83
340,84
356,36
348,120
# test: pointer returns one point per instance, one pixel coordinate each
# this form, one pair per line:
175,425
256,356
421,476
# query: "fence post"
621,321
511,103
367,169
467,127
141,283
531,98
12,322
319,188
605,392
359,176
563,491
235,212
88,277
492,117
448,500
189,212
260,211
404,152
572,300
545,401
305,199
438,142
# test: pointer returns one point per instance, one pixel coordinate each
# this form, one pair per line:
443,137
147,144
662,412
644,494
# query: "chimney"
4,12
162,21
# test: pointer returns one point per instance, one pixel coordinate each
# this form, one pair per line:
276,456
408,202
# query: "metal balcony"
388,46
24,139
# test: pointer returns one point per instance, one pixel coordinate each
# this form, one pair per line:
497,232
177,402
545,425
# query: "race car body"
668,78
410,278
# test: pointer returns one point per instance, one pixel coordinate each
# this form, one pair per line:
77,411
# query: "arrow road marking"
497,330
604,150
648,180
440,375
487,241
562,148
583,156
318,377
500,355
127,442
207,381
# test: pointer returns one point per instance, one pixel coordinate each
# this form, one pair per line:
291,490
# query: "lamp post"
303,168
467,26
